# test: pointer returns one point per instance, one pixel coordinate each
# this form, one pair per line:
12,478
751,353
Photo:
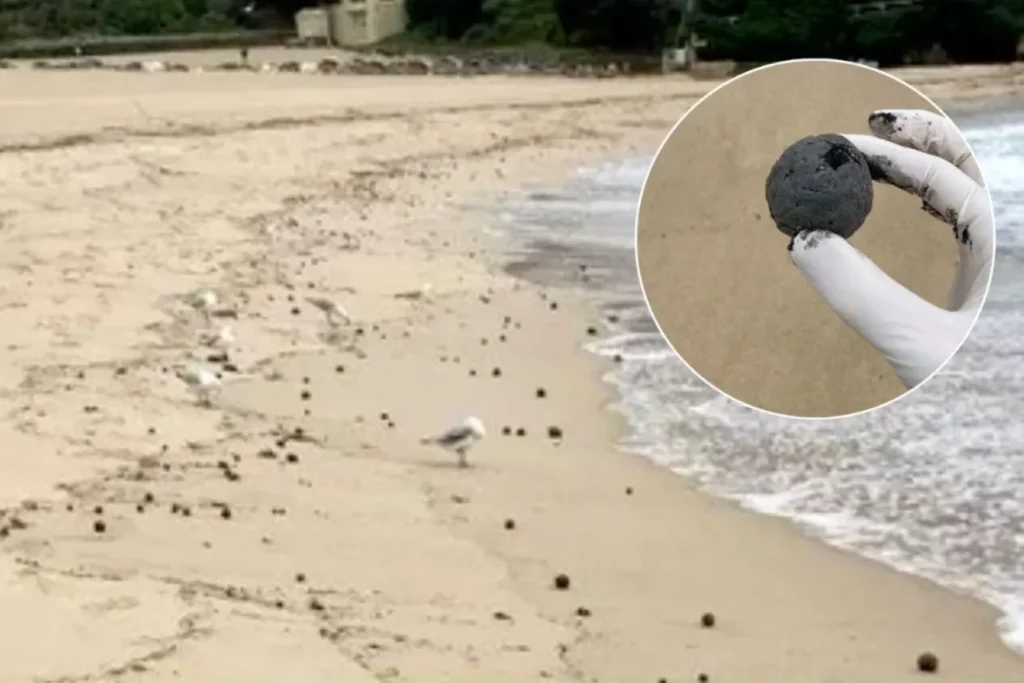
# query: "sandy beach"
297,530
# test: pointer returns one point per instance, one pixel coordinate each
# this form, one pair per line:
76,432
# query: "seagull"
222,340
334,312
203,382
460,438
204,301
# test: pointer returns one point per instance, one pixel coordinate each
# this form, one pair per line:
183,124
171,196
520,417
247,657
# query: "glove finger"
915,336
948,194
927,132
946,190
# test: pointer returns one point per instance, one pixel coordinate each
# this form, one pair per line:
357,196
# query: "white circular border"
650,309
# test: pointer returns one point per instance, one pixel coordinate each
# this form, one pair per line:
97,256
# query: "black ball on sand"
820,182
927,663
541,392
562,582
99,526
707,620
510,524
702,678
554,432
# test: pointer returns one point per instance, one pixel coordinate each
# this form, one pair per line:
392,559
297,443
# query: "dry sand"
267,190
716,269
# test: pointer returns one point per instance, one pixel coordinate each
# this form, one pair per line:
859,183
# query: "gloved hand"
923,153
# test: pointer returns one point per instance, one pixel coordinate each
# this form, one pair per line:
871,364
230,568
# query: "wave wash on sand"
928,485
297,530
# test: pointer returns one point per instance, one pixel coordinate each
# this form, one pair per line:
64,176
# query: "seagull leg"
462,457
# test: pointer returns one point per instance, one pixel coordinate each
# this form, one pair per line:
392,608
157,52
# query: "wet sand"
297,529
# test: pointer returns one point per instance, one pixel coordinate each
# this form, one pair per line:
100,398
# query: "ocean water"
933,484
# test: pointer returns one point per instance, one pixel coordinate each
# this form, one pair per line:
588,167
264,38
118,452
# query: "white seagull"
460,438
334,313
203,382
204,301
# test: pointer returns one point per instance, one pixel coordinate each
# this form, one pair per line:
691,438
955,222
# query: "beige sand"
717,272
404,559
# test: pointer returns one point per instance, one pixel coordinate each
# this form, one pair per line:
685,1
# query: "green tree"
142,17
617,24
974,30
878,37
520,21
448,19
771,30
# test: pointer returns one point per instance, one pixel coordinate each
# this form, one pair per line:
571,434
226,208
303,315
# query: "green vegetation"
53,28
744,30
49,48
748,31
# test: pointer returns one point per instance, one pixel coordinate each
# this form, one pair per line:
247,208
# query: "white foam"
632,346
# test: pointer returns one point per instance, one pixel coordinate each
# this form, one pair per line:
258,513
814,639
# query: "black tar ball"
821,182
562,582
707,620
928,663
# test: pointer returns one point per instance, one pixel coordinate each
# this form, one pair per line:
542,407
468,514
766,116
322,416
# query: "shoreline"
554,260
786,603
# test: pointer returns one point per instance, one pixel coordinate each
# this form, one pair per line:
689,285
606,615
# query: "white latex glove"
922,153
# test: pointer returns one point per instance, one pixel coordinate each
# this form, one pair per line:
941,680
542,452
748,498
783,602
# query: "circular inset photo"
815,238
